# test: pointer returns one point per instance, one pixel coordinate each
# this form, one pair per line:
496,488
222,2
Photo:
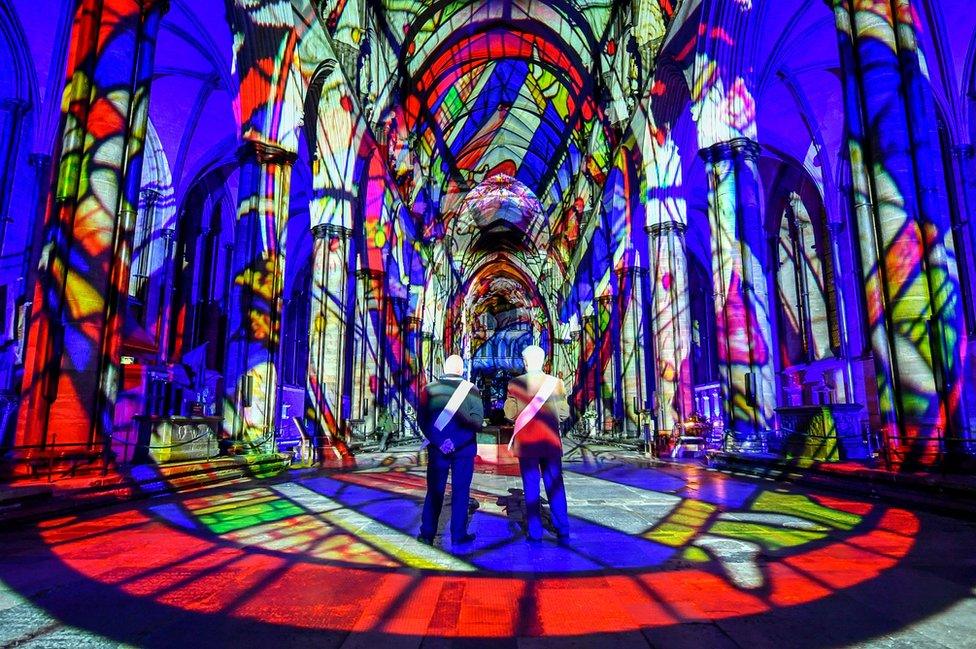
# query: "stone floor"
659,556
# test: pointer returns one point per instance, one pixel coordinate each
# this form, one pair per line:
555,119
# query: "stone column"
913,295
605,353
254,309
130,183
366,344
633,348
741,296
947,325
72,367
589,367
671,321
864,233
395,359
427,354
413,344
327,366
165,296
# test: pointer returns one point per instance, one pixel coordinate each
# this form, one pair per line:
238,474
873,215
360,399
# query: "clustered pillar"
327,363
368,343
911,280
745,348
633,355
254,317
72,364
671,322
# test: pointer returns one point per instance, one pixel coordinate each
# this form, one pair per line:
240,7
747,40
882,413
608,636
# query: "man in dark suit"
536,402
451,414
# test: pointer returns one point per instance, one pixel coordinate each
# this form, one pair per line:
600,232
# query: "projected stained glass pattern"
686,546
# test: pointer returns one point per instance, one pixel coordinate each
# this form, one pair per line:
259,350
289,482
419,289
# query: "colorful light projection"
397,132
908,263
420,112
357,210
73,366
723,549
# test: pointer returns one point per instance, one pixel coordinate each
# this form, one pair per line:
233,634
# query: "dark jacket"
463,427
540,437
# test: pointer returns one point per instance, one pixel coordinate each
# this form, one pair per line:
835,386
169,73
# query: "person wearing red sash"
450,415
536,402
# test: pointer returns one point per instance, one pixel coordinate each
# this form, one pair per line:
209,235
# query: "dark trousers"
462,469
552,477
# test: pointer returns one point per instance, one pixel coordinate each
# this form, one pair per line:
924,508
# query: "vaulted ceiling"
532,89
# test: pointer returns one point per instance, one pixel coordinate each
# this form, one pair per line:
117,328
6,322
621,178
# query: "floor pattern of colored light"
651,548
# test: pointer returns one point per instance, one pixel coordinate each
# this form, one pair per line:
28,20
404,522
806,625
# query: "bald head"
533,356
454,364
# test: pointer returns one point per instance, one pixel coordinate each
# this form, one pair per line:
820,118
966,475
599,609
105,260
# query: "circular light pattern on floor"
650,549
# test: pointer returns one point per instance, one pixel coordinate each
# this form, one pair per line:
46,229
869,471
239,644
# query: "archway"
502,315
497,283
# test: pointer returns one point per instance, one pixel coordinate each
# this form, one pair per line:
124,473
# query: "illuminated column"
911,288
605,352
366,345
590,363
327,341
72,365
163,316
739,281
254,311
395,366
948,326
865,234
633,351
670,321
427,340
413,344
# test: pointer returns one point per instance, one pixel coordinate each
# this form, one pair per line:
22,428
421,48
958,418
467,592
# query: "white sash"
447,414
530,411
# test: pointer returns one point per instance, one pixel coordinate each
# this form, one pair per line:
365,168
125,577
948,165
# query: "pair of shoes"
467,538
426,540
532,538
562,538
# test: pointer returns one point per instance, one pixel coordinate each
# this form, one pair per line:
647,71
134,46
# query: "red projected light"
327,553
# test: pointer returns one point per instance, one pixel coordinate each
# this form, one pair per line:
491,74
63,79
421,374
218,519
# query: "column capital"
149,196
265,153
739,147
331,231
665,227
413,321
604,300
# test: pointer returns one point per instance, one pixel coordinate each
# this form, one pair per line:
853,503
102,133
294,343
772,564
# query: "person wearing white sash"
450,415
536,402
